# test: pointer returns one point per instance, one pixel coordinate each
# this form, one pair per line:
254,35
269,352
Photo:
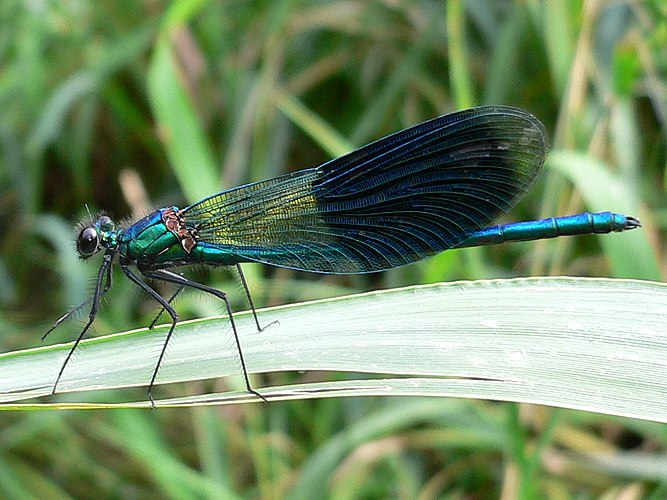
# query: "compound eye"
88,242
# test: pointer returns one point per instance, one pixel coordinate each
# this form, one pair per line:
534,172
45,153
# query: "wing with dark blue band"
395,201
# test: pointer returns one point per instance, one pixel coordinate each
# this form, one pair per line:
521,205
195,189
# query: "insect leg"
167,307
105,269
170,277
252,304
76,309
169,300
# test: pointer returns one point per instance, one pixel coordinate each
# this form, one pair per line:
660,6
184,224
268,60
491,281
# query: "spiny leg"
169,300
74,310
170,277
167,307
246,289
105,268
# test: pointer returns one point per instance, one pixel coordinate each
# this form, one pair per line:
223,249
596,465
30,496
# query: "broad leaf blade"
593,344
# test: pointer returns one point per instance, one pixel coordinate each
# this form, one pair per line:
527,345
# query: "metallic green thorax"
165,239
149,242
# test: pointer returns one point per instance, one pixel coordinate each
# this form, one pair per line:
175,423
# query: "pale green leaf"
593,344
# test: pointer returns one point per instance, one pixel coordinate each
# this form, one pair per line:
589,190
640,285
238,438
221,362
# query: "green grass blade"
593,344
603,191
319,130
189,152
459,74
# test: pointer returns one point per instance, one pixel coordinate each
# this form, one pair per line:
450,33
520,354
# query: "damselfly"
415,193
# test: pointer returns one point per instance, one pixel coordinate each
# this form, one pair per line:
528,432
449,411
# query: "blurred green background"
128,106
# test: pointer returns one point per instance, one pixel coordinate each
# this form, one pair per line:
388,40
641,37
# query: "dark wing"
395,201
